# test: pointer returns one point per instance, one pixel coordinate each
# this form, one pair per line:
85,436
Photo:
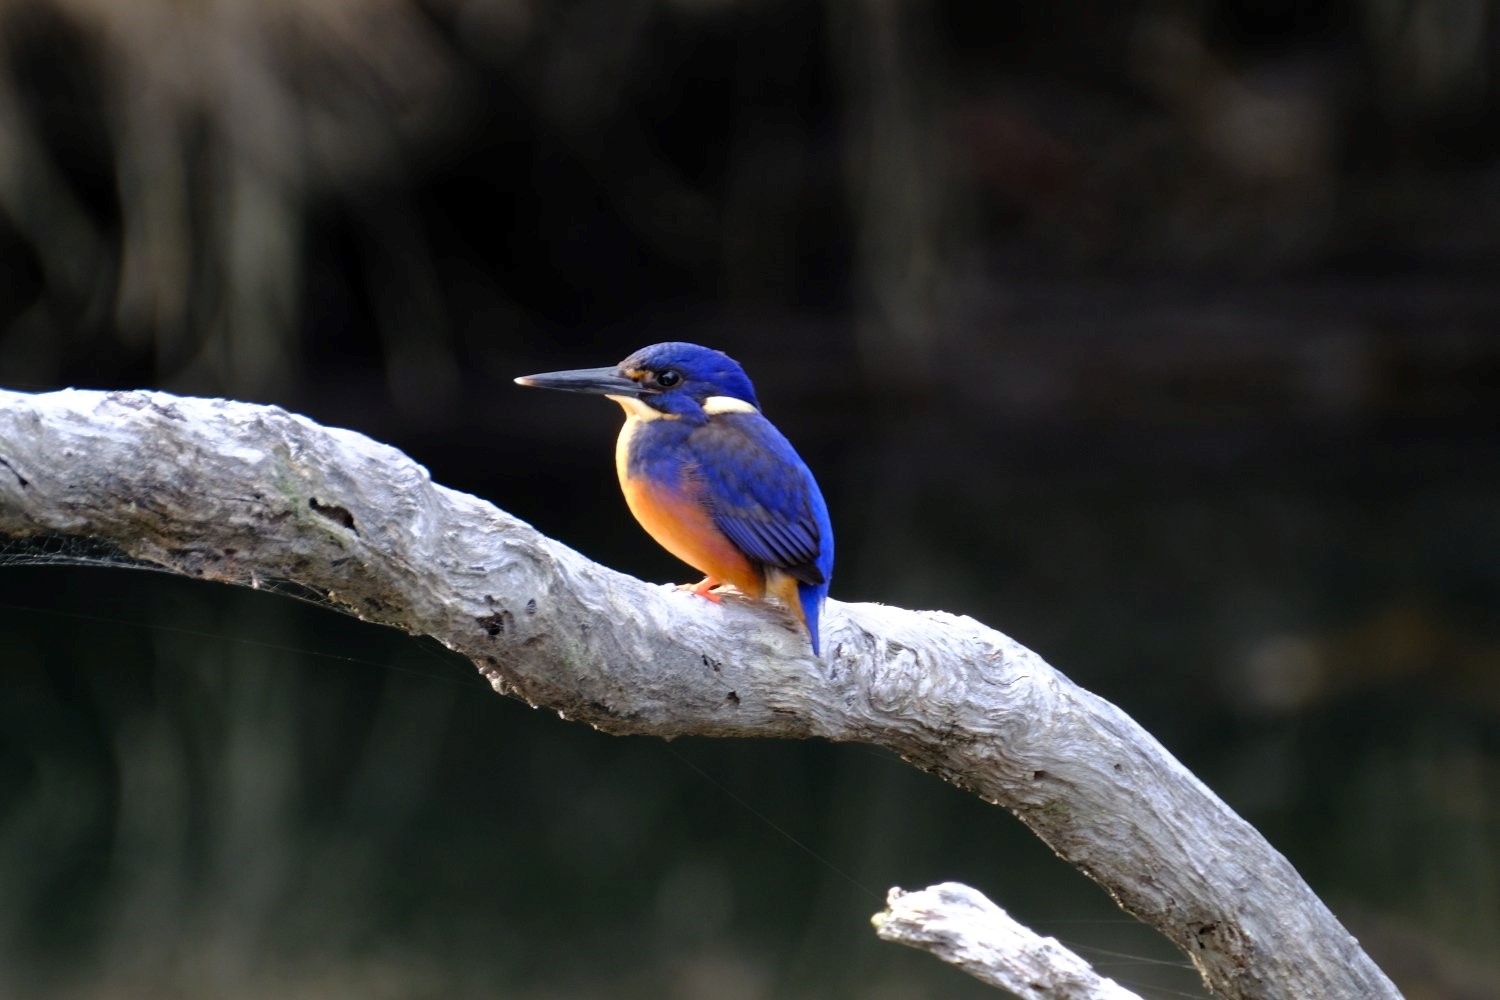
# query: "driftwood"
963,928
251,494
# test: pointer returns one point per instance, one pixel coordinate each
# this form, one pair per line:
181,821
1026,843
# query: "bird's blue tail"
811,595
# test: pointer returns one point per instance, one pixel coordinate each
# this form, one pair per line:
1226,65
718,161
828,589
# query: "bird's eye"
668,378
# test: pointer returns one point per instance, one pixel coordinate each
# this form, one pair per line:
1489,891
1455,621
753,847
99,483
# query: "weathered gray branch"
247,494
963,928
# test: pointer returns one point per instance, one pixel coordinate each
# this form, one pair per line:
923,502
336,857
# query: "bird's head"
663,380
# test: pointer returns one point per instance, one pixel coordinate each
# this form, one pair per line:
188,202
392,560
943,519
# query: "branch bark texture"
963,928
251,494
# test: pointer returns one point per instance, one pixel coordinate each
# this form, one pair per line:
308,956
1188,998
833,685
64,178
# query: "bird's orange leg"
703,588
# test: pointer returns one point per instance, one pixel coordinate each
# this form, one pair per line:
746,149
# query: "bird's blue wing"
761,495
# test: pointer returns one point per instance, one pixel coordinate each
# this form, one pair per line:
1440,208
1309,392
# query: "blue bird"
711,479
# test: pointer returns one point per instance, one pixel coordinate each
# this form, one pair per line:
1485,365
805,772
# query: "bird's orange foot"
703,588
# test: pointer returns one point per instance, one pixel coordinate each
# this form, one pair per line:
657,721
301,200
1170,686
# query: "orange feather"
676,517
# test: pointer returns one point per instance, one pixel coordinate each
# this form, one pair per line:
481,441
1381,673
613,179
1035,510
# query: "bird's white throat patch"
713,406
639,410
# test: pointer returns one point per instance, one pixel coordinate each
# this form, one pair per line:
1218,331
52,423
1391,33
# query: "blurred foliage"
1161,335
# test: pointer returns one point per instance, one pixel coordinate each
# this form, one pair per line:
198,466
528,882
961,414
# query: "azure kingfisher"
711,479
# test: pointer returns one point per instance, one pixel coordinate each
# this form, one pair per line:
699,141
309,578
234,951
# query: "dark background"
1161,336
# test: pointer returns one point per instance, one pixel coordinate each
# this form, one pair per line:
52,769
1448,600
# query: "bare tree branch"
249,494
963,928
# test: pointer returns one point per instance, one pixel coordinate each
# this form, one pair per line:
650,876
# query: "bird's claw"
703,588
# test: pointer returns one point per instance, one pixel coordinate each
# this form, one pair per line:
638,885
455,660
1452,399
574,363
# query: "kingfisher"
711,479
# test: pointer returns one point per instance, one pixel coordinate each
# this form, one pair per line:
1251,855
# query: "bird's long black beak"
599,381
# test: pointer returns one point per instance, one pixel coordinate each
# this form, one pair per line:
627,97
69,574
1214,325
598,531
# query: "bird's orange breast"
673,513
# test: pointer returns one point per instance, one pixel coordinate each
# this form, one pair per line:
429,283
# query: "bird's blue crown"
680,369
